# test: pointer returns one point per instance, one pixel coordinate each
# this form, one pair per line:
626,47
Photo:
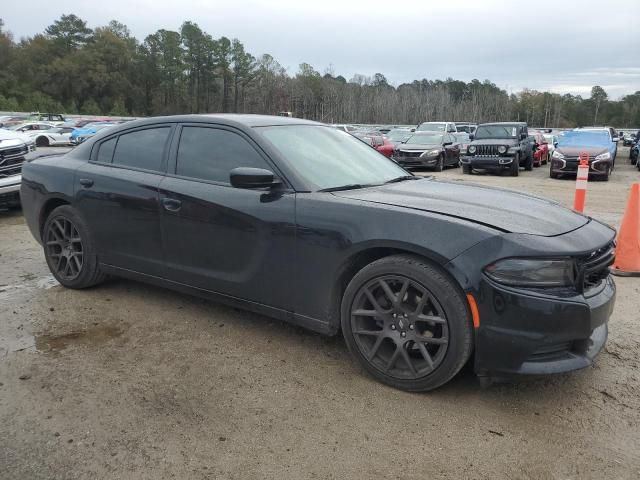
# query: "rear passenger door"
234,241
117,193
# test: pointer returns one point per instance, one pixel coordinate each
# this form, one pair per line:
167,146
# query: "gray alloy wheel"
69,249
407,323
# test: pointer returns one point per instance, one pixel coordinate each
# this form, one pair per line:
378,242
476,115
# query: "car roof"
247,120
504,123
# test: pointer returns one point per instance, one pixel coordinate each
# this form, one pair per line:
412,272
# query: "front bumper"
10,190
487,162
408,162
570,166
527,333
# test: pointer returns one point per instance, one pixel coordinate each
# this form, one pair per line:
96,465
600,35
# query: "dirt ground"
130,381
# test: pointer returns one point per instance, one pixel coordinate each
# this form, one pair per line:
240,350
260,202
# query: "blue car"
598,146
79,135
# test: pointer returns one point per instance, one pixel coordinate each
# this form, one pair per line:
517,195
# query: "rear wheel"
406,323
69,249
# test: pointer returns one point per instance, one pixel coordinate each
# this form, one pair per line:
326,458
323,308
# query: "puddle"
89,337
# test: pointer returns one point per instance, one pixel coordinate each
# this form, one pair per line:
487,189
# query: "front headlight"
472,149
526,272
558,155
603,156
502,149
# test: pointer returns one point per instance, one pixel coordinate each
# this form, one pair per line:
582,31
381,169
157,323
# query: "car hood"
418,146
11,135
572,151
501,209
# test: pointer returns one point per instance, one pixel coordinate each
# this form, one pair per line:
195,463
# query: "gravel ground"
131,381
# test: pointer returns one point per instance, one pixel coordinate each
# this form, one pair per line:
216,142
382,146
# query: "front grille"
594,268
487,150
405,154
8,154
10,172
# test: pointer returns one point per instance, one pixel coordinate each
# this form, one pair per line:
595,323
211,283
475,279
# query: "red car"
377,141
541,155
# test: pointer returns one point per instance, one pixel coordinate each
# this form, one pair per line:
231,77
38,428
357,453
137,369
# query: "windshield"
328,158
431,127
584,139
461,137
496,131
429,138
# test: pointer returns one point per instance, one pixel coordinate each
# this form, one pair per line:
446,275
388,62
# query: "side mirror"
523,135
471,136
555,144
247,177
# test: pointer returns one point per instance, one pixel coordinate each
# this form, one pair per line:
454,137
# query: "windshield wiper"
403,178
351,186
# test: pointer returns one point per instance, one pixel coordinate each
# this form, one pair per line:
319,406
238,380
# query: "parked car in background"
377,141
442,127
628,139
345,128
54,118
298,221
398,136
79,135
53,136
12,155
428,149
30,128
498,147
552,141
541,155
597,144
466,127
463,140
613,137
11,120
633,154
12,134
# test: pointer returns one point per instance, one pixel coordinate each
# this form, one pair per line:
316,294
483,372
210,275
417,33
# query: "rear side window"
211,153
142,149
105,153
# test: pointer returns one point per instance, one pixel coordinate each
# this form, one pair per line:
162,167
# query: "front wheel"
528,166
42,142
466,169
69,249
407,323
440,165
515,166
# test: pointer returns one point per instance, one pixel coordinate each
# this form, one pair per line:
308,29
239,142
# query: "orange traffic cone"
627,262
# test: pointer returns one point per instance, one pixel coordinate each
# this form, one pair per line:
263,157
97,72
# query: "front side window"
142,149
211,153
327,158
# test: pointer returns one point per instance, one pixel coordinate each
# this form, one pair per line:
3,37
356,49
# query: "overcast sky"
562,46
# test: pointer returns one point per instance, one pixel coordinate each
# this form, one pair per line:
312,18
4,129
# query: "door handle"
86,182
171,204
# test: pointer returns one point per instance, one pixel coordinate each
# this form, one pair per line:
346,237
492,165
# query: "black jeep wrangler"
497,147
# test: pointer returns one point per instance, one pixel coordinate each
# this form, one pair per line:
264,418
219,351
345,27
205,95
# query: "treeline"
72,68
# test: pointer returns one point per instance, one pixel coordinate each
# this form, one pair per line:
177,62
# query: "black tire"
466,169
529,165
58,236
42,142
553,175
407,342
514,170
440,165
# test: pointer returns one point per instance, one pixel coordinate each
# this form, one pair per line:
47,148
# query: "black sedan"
428,149
302,222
